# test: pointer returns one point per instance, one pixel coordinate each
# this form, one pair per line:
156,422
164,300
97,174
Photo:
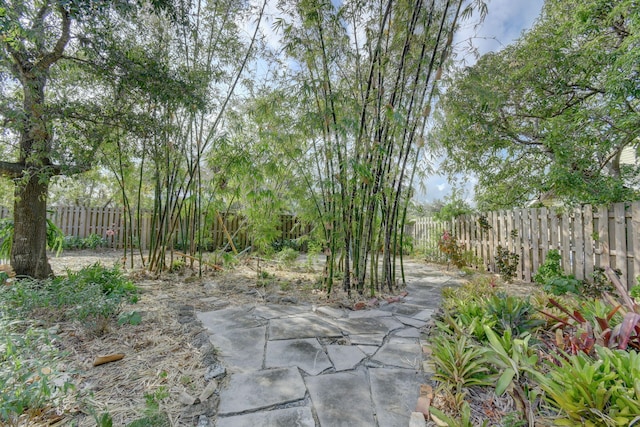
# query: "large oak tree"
40,40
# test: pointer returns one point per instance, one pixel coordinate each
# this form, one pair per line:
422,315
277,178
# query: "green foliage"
130,318
459,363
177,265
154,417
550,269
600,391
563,285
281,244
29,381
92,241
287,256
463,421
552,278
92,295
6,237
512,357
507,263
454,205
635,291
55,237
571,75
511,314
598,284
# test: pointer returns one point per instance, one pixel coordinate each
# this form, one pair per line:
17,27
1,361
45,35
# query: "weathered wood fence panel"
109,223
587,238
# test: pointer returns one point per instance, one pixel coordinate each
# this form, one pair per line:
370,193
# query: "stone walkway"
321,366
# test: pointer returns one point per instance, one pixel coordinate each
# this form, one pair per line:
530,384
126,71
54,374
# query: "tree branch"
16,170
11,170
51,57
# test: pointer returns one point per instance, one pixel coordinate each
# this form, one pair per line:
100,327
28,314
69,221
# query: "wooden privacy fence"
109,223
587,238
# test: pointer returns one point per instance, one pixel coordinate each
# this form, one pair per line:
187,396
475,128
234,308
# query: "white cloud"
505,22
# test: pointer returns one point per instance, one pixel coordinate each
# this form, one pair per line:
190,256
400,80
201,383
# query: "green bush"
552,278
93,293
507,263
511,314
287,256
550,269
459,363
92,241
598,284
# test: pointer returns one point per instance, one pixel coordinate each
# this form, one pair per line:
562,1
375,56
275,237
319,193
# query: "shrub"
92,241
450,247
459,363
552,278
598,284
550,269
287,256
94,293
507,263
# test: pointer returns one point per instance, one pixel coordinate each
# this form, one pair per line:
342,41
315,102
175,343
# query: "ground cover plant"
32,378
559,360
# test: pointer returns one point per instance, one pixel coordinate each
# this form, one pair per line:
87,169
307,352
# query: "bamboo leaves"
368,90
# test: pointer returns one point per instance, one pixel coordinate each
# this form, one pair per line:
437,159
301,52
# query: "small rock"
289,300
359,305
186,399
416,420
208,390
211,286
272,298
214,371
203,421
422,406
206,408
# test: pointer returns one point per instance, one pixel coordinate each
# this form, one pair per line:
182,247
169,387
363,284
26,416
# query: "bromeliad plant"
577,332
512,314
601,391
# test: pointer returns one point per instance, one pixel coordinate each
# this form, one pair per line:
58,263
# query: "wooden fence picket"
587,238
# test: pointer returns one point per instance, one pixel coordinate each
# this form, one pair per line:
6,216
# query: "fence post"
634,233
620,234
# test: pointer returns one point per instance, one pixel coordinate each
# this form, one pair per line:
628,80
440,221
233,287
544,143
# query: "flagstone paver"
301,365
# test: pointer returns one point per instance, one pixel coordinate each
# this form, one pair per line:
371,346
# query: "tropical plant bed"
505,358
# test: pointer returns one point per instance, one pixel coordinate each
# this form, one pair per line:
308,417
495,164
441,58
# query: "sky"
505,22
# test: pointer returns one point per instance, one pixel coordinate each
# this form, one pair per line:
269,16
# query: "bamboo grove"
367,74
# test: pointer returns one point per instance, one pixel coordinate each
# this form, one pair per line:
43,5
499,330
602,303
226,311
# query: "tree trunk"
28,254
29,249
